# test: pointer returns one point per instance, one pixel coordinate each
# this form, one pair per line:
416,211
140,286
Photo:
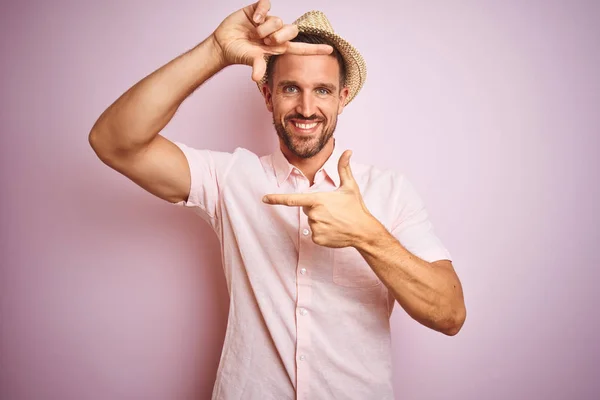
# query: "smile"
305,126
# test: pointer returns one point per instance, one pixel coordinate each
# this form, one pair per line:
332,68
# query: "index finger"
261,10
308,49
292,200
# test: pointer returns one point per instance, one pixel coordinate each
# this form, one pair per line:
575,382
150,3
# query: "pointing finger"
292,200
307,49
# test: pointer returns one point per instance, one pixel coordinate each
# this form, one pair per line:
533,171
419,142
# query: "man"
315,252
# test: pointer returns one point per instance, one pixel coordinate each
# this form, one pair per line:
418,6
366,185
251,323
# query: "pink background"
492,108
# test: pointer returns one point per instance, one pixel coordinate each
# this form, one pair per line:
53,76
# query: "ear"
343,96
268,95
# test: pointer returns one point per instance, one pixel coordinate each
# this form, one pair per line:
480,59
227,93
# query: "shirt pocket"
351,270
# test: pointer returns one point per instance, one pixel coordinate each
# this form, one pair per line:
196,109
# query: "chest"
278,236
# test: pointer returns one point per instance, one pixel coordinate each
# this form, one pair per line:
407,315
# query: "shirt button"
305,232
302,357
303,271
303,311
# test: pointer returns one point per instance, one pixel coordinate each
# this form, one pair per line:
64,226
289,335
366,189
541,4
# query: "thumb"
259,68
346,177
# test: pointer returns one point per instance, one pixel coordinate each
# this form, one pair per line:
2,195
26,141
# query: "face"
305,98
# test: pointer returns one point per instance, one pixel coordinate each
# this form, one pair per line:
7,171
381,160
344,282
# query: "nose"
306,104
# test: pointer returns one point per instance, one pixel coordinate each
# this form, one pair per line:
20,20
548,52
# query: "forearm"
138,115
431,294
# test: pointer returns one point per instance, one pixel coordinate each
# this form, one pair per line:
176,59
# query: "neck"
309,166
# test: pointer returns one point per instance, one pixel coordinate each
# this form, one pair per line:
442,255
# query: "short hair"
312,39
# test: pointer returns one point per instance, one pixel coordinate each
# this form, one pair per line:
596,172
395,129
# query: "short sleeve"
207,170
413,229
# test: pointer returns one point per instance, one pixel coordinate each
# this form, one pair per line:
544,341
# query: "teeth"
306,126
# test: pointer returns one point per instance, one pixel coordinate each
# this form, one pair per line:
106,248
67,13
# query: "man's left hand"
338,218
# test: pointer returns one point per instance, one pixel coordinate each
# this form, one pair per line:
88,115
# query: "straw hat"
316,23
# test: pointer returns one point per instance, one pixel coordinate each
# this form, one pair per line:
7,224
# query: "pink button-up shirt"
305,321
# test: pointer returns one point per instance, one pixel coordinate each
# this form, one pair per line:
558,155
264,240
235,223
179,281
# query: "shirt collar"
283,168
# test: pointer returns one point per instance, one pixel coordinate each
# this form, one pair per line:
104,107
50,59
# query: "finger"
259,68
306,49
346,177
261,10
292,200
271,25
282,35
278,49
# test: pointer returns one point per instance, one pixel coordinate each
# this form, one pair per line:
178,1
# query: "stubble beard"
305,147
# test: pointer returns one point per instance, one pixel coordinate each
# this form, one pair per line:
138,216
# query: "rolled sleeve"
414,230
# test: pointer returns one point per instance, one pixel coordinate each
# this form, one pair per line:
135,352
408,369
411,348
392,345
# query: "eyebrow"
329,86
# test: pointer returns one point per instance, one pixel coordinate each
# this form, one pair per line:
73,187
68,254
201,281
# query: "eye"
290,89
323,91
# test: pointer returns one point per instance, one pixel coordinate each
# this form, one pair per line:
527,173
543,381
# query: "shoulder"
392,187
372,176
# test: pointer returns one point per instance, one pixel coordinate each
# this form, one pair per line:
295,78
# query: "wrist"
217,50
210,54
369,233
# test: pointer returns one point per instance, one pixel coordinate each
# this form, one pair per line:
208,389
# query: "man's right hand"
126,136
245,36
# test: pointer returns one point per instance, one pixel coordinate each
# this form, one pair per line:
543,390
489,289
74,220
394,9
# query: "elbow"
93,140
454,321
98,141
106,148
99,146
